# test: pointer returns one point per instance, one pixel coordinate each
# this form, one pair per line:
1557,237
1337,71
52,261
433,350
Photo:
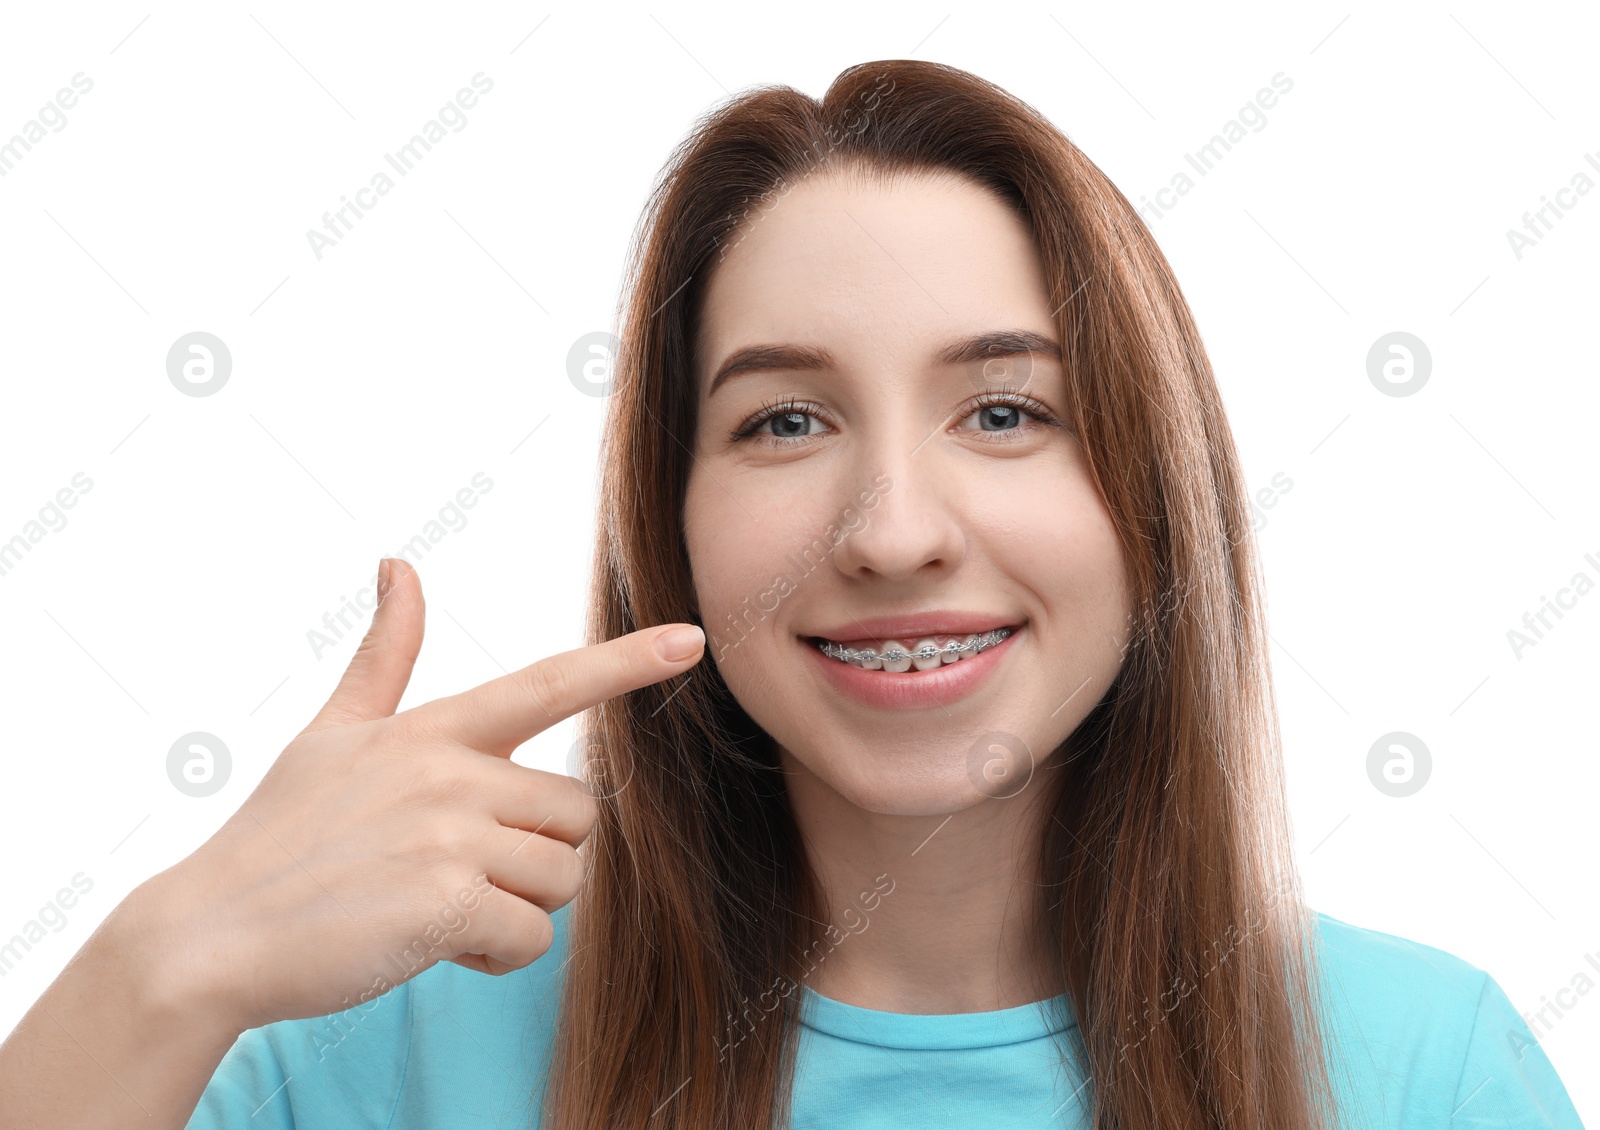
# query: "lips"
925,688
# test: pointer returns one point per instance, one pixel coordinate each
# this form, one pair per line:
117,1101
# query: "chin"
909,783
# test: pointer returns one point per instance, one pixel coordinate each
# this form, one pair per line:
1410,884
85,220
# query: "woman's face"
895,481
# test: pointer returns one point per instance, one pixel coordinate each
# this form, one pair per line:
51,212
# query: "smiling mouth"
923,655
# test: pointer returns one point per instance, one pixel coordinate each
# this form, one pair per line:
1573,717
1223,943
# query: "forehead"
870,269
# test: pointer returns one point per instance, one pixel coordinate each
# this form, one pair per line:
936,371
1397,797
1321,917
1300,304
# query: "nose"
911,525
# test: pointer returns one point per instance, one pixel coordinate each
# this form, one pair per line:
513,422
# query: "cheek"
709,563
1092,569
1059,541
736,543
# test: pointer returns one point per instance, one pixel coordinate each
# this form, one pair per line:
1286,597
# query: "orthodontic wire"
927,651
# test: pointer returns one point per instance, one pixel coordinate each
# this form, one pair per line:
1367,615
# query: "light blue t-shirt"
1425,1040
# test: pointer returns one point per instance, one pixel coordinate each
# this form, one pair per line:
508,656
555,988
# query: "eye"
1003,414
1002,417
791,421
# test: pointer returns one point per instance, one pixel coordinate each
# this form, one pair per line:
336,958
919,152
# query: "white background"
369,386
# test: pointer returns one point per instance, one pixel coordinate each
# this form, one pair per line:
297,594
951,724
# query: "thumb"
381,667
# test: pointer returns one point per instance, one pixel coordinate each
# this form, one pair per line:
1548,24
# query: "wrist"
158,938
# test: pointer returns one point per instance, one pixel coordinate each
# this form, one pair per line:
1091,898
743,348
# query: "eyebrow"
964,351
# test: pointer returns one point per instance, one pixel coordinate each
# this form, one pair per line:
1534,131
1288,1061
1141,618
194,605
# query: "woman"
974,818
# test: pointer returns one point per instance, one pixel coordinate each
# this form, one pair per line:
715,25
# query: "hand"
380,843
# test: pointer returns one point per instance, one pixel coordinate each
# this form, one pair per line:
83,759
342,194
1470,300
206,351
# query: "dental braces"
982,642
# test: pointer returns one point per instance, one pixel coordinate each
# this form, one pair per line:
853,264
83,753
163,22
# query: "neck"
934,913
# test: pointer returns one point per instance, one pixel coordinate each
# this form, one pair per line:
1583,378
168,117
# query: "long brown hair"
1169,894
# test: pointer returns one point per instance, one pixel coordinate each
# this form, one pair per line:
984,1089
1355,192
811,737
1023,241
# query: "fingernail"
680,643
383,579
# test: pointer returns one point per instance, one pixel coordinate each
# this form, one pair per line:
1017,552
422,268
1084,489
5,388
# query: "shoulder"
1396,979
1421,1037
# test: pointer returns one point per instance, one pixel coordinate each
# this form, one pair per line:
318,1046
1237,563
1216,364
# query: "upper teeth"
925,654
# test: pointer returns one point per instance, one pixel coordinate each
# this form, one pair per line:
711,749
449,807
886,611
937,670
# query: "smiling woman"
1095,918
978,820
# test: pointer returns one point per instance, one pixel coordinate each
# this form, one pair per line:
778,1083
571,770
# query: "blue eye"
791,421
1001,415
1005,417
790,425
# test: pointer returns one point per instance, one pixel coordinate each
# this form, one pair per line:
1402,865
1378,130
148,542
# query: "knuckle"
443,842
548,684
588,812
579,871
583,831
440,777
371,644
567,872
574,795
542,934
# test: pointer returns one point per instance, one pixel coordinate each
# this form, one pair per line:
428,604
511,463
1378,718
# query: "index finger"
501,714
